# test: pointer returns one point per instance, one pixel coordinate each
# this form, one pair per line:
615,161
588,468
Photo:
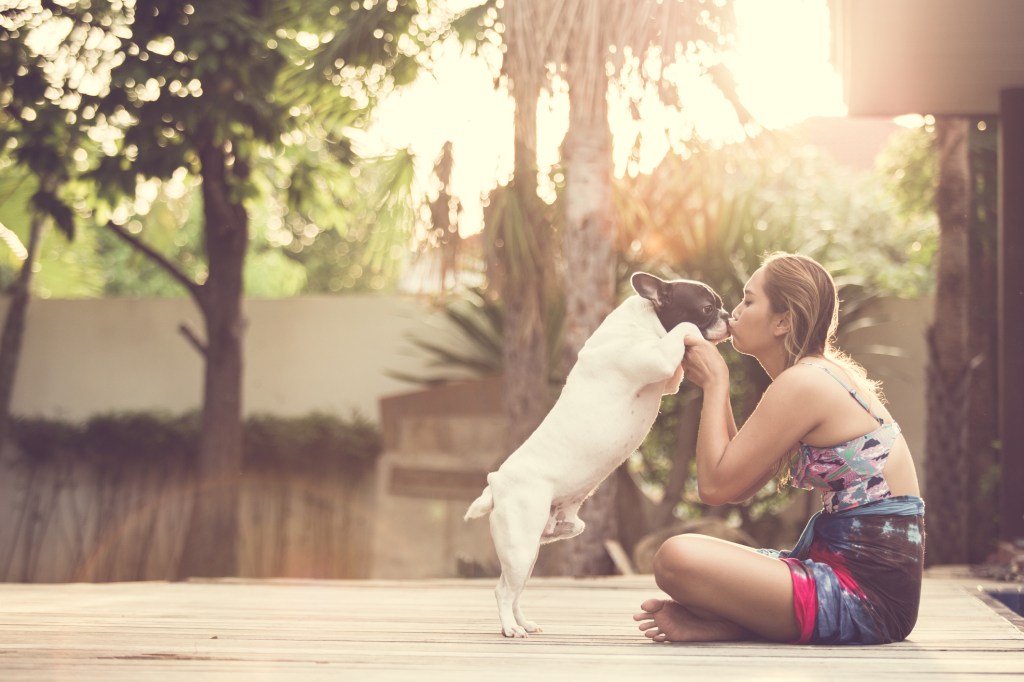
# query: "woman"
855,575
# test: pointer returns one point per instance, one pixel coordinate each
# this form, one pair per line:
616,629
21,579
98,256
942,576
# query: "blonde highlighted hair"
800,286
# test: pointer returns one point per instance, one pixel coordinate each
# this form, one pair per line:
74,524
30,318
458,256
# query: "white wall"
326,354
317,354
903,324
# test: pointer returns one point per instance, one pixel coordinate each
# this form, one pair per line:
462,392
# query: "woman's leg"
719,591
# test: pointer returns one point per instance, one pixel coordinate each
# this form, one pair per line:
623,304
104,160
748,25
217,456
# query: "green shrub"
315,442
139,437
42,440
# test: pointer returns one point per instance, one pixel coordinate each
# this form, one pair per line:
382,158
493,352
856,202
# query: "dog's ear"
648,286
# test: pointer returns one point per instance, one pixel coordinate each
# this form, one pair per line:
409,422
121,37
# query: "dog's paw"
530,626
564,529
521,629
516,631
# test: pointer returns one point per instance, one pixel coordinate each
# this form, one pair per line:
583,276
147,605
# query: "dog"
609,402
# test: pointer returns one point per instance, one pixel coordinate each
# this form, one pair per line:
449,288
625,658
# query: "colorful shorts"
857,573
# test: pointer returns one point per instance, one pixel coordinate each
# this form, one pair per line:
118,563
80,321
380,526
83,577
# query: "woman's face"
754,326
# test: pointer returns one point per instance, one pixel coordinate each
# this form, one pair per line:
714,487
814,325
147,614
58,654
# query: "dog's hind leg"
516,527
564,523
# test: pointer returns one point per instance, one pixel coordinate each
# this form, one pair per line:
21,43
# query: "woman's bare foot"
664,620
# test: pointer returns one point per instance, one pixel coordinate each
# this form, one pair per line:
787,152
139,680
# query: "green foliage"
387,185
173,225
42,440
36,136
713,215
909,168
270,273
108,441
474,325
280,86
63,269
472,335
315,442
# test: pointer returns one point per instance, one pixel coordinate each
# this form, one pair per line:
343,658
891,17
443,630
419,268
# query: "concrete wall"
302,355
319,354
305,355
902,324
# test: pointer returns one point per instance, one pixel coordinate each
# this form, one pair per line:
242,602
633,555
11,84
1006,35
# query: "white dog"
608,404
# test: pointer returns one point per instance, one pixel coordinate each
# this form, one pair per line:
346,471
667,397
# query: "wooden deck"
446,630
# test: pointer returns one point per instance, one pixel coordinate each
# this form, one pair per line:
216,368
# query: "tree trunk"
14,324
211,543
982,428
947,468
525,361
590,294
524,290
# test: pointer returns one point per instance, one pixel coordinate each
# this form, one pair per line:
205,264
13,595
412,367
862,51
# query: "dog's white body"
608,404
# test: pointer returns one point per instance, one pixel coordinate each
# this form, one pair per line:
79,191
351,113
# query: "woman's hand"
703,364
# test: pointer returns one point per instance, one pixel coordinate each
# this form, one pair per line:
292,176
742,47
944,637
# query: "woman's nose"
735,310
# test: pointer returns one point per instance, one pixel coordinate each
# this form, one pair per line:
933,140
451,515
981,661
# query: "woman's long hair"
802,287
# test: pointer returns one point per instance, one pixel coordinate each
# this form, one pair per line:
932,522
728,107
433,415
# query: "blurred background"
284,280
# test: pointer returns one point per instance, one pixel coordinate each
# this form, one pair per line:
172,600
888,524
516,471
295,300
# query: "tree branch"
187,332
170,268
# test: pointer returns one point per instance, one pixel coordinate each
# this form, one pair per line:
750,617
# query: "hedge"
312,442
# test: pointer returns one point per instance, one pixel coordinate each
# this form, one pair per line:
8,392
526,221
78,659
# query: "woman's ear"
783,323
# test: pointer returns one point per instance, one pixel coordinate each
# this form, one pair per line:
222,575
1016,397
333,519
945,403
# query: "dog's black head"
684,300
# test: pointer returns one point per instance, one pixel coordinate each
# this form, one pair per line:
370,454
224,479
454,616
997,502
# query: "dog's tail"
481,506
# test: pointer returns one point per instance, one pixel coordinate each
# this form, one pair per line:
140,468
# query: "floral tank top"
848,474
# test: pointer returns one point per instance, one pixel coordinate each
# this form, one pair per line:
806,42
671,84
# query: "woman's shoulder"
808,387
826,387
819,371
803,375
800,385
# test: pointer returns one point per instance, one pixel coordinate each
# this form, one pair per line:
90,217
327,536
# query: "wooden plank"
443,630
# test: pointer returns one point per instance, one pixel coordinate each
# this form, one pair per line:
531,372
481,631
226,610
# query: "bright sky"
781,67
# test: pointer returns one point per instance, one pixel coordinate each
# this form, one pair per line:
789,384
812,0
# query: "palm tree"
584,42
519,227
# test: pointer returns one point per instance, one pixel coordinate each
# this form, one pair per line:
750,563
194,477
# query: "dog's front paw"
673,382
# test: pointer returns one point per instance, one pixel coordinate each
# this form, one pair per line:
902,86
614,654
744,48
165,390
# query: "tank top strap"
849,389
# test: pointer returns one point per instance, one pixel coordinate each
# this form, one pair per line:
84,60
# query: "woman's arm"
717,429
705,366
733,464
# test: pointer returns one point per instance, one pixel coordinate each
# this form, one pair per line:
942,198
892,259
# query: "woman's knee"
678,561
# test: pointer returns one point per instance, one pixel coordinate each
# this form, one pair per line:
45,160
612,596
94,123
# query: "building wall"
302,355
900,325
320,354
